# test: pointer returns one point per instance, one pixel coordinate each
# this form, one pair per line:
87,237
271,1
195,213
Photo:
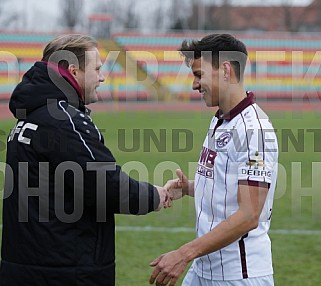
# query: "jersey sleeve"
256,156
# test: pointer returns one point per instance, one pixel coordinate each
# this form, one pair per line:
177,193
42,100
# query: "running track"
178,106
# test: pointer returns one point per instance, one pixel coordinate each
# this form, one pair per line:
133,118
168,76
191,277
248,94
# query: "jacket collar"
67,76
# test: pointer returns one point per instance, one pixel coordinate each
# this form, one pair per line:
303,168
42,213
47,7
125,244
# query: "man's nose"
196,84
101,77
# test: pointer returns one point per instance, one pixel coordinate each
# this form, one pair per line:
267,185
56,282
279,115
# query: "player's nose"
196,84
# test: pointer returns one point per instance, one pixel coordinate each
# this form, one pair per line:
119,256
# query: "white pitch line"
192,230
295,232
155,229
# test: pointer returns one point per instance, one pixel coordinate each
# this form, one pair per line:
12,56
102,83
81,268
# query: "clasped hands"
173,190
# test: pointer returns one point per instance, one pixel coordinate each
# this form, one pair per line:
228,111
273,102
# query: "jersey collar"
247,101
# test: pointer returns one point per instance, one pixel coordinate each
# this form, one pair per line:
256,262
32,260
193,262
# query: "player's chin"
209,102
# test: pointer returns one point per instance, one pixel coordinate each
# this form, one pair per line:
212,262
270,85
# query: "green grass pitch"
297,205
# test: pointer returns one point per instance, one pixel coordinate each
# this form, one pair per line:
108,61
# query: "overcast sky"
41,15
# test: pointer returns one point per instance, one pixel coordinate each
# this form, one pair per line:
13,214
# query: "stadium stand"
18,52
126,78
282,67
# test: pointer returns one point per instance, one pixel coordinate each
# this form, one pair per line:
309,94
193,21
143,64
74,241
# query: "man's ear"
227,69
73,70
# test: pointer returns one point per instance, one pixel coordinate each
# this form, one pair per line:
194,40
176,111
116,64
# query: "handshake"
174,190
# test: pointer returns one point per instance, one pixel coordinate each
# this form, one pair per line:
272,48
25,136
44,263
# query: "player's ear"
226,67
73,70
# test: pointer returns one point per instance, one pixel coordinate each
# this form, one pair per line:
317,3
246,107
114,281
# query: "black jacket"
62,189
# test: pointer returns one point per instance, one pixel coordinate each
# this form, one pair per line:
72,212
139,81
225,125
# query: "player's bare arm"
171,265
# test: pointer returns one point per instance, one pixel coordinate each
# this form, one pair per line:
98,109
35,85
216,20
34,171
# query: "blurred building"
100,25
284,17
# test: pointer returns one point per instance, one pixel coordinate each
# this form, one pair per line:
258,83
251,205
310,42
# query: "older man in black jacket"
62,185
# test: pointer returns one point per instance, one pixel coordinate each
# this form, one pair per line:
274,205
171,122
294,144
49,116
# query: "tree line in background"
213,15
169,14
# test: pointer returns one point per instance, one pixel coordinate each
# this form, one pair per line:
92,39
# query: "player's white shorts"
192,279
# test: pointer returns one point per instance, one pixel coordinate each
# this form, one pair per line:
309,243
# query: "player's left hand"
168,268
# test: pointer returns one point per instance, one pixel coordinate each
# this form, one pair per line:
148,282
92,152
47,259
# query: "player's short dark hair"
75,43
216,48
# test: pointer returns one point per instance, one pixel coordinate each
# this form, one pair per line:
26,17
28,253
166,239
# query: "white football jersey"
240,148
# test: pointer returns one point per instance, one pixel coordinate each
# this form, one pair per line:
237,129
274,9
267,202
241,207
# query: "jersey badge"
223,139
256,161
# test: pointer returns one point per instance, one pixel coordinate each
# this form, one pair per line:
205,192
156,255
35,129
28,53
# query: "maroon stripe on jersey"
243,257
254,184
258,119
212,197
209,259
222,265
199,215
247,139
212,203
198,221
226,168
